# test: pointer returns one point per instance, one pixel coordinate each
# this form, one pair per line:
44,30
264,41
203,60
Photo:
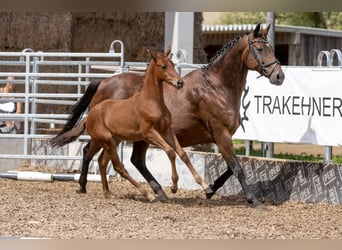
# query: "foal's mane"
222,51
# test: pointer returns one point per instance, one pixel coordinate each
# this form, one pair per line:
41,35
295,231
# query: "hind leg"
95,147
118,166
103,163
88,154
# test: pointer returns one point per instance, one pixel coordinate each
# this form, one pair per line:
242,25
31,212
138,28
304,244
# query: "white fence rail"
38,70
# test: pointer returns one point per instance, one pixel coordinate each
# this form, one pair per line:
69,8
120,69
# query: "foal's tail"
77,111
70,135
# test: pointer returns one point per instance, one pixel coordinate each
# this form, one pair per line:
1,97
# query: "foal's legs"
155,138
94,147
170,144
110,148
103,163
184,157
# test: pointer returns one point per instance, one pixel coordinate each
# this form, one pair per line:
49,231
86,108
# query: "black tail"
78,109
70,135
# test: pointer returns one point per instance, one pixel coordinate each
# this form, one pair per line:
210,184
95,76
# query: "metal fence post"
271,40
329,61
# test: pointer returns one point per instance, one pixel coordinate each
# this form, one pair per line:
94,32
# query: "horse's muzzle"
277,78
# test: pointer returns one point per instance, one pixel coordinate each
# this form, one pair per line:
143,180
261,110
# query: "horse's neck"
152,87
232,71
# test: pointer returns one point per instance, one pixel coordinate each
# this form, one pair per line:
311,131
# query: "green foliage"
298,157
325,20
242,17
337,159
308,19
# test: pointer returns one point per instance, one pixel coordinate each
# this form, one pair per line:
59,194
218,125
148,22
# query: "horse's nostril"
280,78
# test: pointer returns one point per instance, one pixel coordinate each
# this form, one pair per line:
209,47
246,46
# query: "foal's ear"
152,53
167,51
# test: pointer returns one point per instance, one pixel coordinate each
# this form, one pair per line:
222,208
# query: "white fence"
36,71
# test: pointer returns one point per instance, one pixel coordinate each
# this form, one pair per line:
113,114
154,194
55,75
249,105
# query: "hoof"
107,194
209,192
257,204
174,189
81,191
151,198
162,196
261,207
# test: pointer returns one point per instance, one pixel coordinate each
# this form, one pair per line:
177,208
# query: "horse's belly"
126,132
192,135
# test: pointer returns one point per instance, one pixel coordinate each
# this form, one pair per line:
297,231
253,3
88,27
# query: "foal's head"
260,56
164,69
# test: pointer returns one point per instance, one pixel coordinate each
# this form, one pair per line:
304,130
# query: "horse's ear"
167,51
257,30
264,32
152,53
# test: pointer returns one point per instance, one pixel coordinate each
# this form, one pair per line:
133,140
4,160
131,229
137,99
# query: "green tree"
325,20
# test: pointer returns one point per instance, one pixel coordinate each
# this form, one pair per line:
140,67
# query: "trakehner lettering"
299,105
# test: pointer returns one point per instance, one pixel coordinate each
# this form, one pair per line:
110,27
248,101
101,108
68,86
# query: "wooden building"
294,45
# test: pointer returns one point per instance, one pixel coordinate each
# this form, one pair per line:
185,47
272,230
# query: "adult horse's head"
260,56
165,68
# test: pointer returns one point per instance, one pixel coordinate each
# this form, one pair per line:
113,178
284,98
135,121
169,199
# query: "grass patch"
337,159
288,156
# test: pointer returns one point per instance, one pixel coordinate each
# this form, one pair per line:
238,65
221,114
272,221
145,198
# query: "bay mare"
205,110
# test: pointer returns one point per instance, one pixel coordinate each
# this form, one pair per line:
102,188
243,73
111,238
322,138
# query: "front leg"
225,145
154,137
219,182
239,172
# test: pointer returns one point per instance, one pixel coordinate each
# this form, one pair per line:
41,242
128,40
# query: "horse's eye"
163,67
260,49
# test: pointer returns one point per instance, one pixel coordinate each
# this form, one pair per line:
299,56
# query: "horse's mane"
222,51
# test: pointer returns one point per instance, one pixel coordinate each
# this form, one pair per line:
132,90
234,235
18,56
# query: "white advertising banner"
306,108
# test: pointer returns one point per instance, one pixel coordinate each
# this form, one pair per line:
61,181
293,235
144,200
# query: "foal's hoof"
209,192
151,198
107,194
174,189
